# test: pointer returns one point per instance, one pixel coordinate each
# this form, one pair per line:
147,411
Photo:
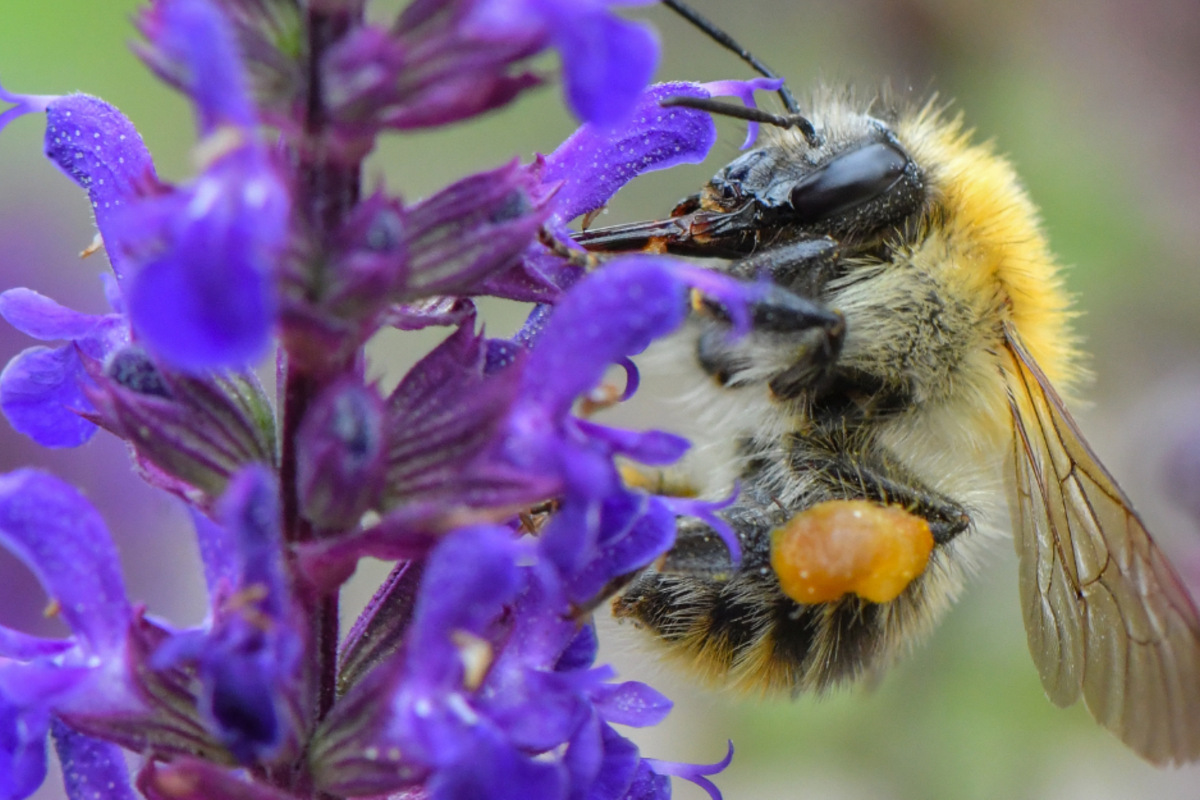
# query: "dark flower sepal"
379,631
378,80
198,430
370,263
444,310
473,229
441,416
193,779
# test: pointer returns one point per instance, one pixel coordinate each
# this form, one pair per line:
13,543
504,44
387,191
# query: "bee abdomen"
745,633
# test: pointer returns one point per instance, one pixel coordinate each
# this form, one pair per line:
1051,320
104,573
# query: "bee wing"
1106,615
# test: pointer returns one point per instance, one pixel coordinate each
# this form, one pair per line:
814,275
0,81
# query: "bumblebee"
902,373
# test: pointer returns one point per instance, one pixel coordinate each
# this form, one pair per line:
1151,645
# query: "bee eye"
848,180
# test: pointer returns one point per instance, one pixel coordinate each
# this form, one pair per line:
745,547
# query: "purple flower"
193,262
60,538
473,443
94,145
121,679
472,670
495,691
202,296
248,656
606,60
445,61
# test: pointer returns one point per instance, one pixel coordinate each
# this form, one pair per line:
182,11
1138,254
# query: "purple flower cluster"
471,673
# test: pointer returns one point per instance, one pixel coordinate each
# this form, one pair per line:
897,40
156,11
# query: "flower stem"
327,188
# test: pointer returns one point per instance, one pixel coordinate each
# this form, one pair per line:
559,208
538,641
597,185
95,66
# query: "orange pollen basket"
850,546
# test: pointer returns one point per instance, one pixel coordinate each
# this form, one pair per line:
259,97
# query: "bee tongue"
715,234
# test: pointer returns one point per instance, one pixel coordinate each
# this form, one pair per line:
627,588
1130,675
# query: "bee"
900,374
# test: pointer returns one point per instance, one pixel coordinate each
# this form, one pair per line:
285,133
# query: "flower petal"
696,773
22,748
252,655
204,298
647,447
596,160
41,396
648,784
56,532
497,771
42,390
613,313
218,553
581,652
195,50
607,61
36,315
23,647
631,703
744,91
98,148
618,766
91,768
469,578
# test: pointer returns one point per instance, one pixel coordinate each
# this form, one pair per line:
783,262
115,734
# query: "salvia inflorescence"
471,672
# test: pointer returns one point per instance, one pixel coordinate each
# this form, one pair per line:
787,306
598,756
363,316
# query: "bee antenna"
725,40
747,113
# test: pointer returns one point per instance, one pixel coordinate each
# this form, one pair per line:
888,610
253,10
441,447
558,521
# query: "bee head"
850,179
853,184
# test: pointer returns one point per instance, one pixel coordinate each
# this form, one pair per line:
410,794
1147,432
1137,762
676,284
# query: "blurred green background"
1097,104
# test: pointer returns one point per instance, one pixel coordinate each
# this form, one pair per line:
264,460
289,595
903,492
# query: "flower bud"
341,462
373,259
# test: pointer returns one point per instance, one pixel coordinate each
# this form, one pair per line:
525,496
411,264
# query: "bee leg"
808,334
844,472
802,267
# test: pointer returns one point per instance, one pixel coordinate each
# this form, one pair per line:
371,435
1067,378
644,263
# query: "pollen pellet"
850,546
